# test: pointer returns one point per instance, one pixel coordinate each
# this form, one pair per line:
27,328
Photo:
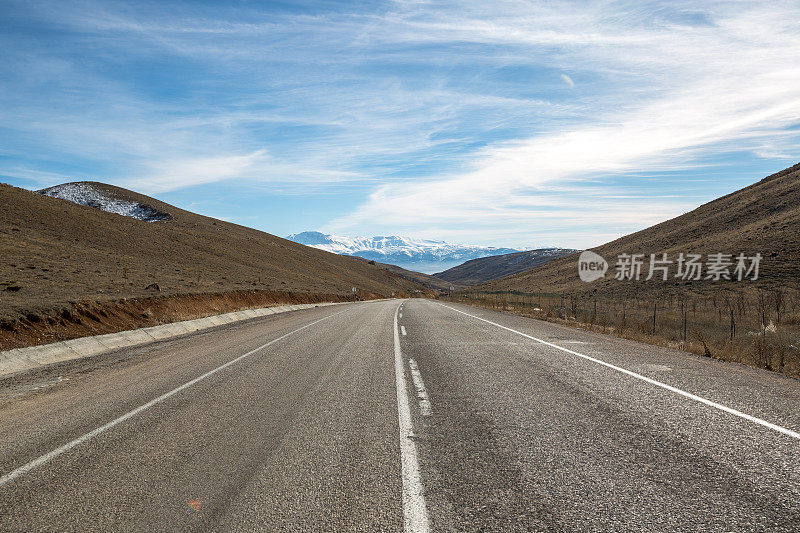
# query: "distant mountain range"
421,255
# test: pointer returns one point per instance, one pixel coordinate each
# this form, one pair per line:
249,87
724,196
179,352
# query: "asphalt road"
377,417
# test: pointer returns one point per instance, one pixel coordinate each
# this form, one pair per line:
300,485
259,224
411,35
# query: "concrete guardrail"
20,359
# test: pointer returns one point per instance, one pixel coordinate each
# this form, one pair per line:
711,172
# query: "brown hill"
54,252
483,269
762,218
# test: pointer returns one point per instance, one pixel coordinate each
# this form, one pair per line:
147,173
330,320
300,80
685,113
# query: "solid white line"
419,385
415,510
24,469
403,330
670,388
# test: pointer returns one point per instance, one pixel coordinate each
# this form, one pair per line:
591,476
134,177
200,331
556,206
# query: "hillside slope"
762,218
485,269
53,252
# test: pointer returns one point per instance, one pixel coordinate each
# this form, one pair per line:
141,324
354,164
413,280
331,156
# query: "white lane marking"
415,510
419,385
24,469
401,315
700,399
403,330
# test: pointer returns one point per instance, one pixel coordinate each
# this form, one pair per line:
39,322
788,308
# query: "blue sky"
516,123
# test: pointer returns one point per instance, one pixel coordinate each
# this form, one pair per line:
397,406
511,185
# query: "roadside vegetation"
756,327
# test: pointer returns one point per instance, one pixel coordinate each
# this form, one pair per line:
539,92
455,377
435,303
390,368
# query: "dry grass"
765,333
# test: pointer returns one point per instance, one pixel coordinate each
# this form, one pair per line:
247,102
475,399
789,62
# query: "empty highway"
393,415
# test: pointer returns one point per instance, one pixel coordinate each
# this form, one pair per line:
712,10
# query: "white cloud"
176,174
412,100
712,88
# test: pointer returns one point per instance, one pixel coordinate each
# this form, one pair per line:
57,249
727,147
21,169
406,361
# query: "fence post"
683,312
655,305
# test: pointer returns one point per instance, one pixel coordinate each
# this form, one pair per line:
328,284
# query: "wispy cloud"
725,84
455,119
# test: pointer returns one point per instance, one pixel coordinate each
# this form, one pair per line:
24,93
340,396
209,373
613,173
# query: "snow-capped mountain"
422,255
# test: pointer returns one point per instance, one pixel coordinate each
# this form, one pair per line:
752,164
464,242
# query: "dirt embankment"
96,318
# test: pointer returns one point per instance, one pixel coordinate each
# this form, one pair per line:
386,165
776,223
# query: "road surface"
392,415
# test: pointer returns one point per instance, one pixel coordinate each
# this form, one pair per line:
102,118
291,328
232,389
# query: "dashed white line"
415,511
419,385
700,399
401,315
24,469
403,330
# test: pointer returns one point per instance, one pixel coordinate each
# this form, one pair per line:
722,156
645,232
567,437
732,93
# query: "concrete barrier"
204,323
136,336
216,320
21,359
113,341
86,346
157,332
58,351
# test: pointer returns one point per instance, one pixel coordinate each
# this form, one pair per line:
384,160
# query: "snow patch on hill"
421,255
85,194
